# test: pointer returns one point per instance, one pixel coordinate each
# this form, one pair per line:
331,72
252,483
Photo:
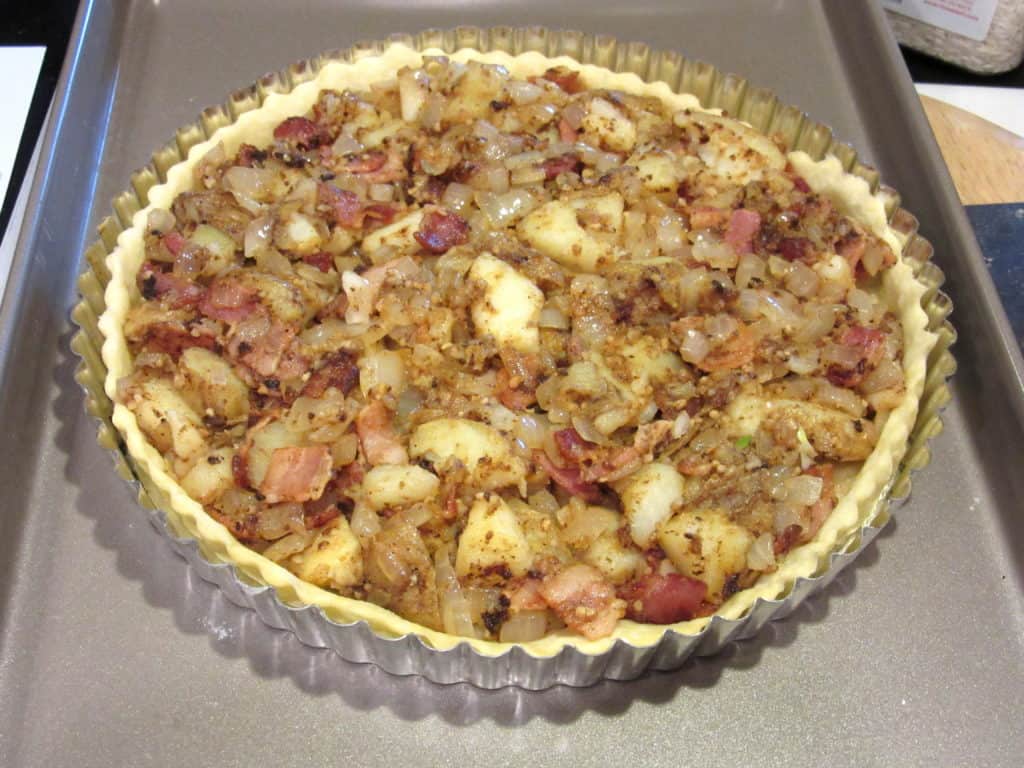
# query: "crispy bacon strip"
300,131
338,370
871,342
568,478
173,339
663,598
228,300
377,436
743,225
441,230
583,600
297,473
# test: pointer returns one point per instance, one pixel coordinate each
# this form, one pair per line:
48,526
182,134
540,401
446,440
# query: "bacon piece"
572,446
338,370
568,478
300,131
737,351
663,598
260,344
441,230
584,601
566,79
367,162
228,300
554,166
871,342
512,397
797,249
566,132
321,260
377,436
177,292
709,218
743,225
852,248
526,597
240,470
296,473
173,339
822,508
174,242
349,211
248,156
334,308
800,183
316,513
786,540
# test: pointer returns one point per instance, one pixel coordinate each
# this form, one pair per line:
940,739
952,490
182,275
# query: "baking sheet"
114,653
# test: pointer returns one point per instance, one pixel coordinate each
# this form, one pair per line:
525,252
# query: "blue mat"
1000,232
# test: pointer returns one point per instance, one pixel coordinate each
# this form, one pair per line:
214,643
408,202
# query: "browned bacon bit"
321,260
516,398
178,292
296,473
338,370
709,218
583,600
240,470
440,230
663,598
264,353
378,214
368,162
349,211
871,342
318,512
797,249
248,156
228,300
568,478
801,184
572,446
525,596
174,242
743,225
173,339
852,247
349,475
737,351
566,79
554,166
334,308
300,131
245,530
377,436
786,540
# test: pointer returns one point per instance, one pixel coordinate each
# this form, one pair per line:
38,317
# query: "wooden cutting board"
985,160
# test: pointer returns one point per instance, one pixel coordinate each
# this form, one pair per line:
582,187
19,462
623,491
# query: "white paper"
19,68
969,18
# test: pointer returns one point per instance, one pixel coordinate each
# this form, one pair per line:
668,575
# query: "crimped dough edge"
865,498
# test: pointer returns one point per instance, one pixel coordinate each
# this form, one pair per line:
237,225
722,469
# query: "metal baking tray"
114,652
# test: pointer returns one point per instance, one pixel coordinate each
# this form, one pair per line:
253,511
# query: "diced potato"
168,420
491,539
659,171
298,234
832,433
555,230
394,485
510,308
609,125
583,524
473,93
397,235
333,560
219,246
282,298
733,150
539,529
648,497
216,382
649,362
705,544
619,564
480,447
413,88
210,476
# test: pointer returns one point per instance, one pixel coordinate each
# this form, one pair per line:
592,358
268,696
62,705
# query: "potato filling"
512,357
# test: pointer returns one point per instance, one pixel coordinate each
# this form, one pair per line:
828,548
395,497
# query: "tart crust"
900,291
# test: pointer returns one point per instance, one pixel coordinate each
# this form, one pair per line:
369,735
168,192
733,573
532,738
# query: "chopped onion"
588,431
695,346
888,375
802,281
160,221
495,179
681,425
254,183
574,113
364,523
457,196
751,267
345,449
257,235
381,370
803,490
709,249
840,398
785,516
720,327
553,317
523,92
819,320
670,233
346,144
761,555
874,256
842,354
524,626
381,193
804,364
533,429
505,209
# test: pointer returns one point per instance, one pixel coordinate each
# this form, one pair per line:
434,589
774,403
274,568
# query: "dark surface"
1000,233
